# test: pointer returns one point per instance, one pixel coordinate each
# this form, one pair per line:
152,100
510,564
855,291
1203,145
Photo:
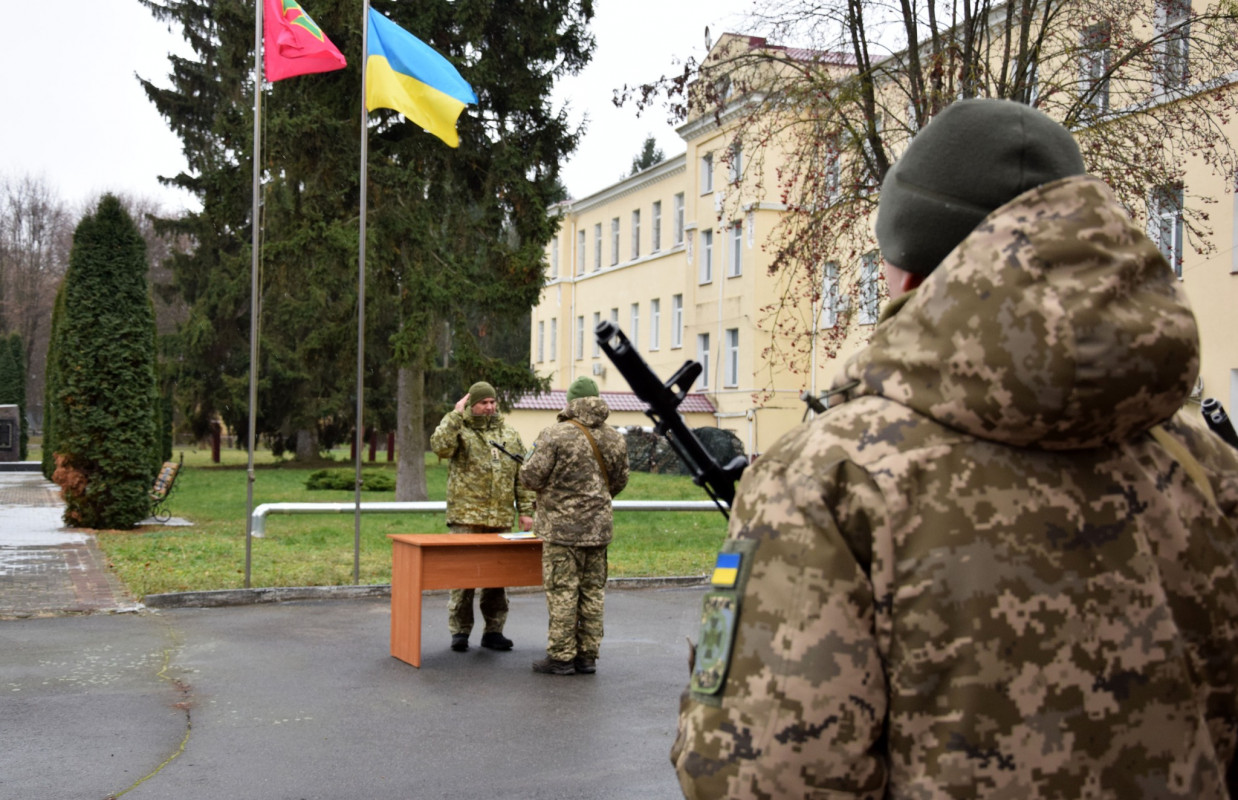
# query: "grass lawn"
317,549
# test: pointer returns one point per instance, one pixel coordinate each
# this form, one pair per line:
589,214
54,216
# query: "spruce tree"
106,436
13,383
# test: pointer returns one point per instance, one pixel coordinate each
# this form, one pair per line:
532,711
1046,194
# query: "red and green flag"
293,44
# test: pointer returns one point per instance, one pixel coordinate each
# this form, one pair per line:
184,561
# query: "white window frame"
554,338
707,173
597,347
597,247
1096,51
580,253
634,326
736,266
702,356
735,169
655,321
730,367
655,226
829,295
1167,226
705,273
541,341
679,219
614,241
676,321
635,234
554,257
1173,52
870,268
580,337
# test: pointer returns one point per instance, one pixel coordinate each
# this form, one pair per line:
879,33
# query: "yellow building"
674,255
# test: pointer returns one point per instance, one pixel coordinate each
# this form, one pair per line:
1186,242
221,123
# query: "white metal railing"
260,513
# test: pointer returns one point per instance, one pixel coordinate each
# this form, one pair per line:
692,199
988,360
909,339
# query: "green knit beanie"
582,387
974,157
480,391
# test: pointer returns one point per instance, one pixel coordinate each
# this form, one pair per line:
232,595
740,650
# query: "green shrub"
346,480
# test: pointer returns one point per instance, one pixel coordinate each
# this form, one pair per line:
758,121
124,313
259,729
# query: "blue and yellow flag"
726,570
406,74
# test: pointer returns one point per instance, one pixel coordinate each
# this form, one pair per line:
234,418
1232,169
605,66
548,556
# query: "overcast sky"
75,115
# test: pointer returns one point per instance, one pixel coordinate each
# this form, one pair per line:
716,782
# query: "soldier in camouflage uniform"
482,497
1002,564
576,467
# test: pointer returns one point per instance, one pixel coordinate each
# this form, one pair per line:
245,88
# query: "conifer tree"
106,437
13,382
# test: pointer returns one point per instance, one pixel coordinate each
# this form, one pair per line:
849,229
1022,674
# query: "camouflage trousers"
575,583
493,602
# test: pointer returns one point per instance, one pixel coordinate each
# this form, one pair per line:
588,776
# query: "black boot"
550,666
496,641
585,665
459,642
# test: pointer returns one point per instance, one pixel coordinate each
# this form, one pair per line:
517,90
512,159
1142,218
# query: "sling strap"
596,452
1193,468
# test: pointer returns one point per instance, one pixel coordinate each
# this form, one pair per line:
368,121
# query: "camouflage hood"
1076,336
590,411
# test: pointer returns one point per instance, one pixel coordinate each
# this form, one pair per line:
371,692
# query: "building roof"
556,399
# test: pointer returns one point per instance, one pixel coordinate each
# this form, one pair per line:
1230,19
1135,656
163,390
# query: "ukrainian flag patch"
726,570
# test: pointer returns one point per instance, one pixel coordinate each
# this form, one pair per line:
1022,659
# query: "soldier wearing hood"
482,497
576,467
1002,563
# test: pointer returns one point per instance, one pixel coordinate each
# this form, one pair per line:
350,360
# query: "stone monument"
10,433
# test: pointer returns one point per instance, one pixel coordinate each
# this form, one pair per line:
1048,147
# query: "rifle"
519,459
1218,420
663,400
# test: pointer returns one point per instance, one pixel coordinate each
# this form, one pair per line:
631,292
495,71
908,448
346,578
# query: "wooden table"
421,561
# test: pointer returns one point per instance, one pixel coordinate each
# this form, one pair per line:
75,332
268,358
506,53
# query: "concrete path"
46,568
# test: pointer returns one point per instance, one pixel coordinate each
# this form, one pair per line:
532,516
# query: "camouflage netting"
650,453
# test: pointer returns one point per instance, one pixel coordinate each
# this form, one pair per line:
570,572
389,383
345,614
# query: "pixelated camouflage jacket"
573,498
481,480
982,575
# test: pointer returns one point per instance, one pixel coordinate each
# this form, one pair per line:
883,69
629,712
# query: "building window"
580,338
707,256
735,170
614,241
554,257
730,368
1095,66
634,327
554,338
702,355
869,267
655,230
597,247
735,269
1174,30
1165,216
829,295
580,253
636,234
541,341
655,320
677,320
678,232
707,173
597,348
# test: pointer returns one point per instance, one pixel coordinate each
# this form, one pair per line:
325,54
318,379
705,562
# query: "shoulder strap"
596,452
1193,468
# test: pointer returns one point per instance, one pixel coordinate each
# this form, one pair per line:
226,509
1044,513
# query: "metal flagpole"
253,293
360,430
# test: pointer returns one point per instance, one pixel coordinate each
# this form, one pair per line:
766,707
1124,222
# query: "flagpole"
360,430
253,294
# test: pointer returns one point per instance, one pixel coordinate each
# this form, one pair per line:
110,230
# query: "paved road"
302,699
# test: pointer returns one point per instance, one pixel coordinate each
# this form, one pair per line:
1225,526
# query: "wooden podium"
422,561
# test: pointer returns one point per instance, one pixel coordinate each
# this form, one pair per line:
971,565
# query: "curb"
221,598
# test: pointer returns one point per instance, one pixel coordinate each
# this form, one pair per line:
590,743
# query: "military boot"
551,666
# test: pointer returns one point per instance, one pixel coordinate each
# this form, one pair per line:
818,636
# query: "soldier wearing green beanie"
1003,562
582,387
482,497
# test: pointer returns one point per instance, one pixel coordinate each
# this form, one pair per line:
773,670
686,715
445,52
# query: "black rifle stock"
1218,420
663,400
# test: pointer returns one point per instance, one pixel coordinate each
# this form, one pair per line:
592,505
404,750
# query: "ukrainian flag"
406,74
726,570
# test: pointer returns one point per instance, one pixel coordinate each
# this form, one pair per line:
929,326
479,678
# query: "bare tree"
1144,85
